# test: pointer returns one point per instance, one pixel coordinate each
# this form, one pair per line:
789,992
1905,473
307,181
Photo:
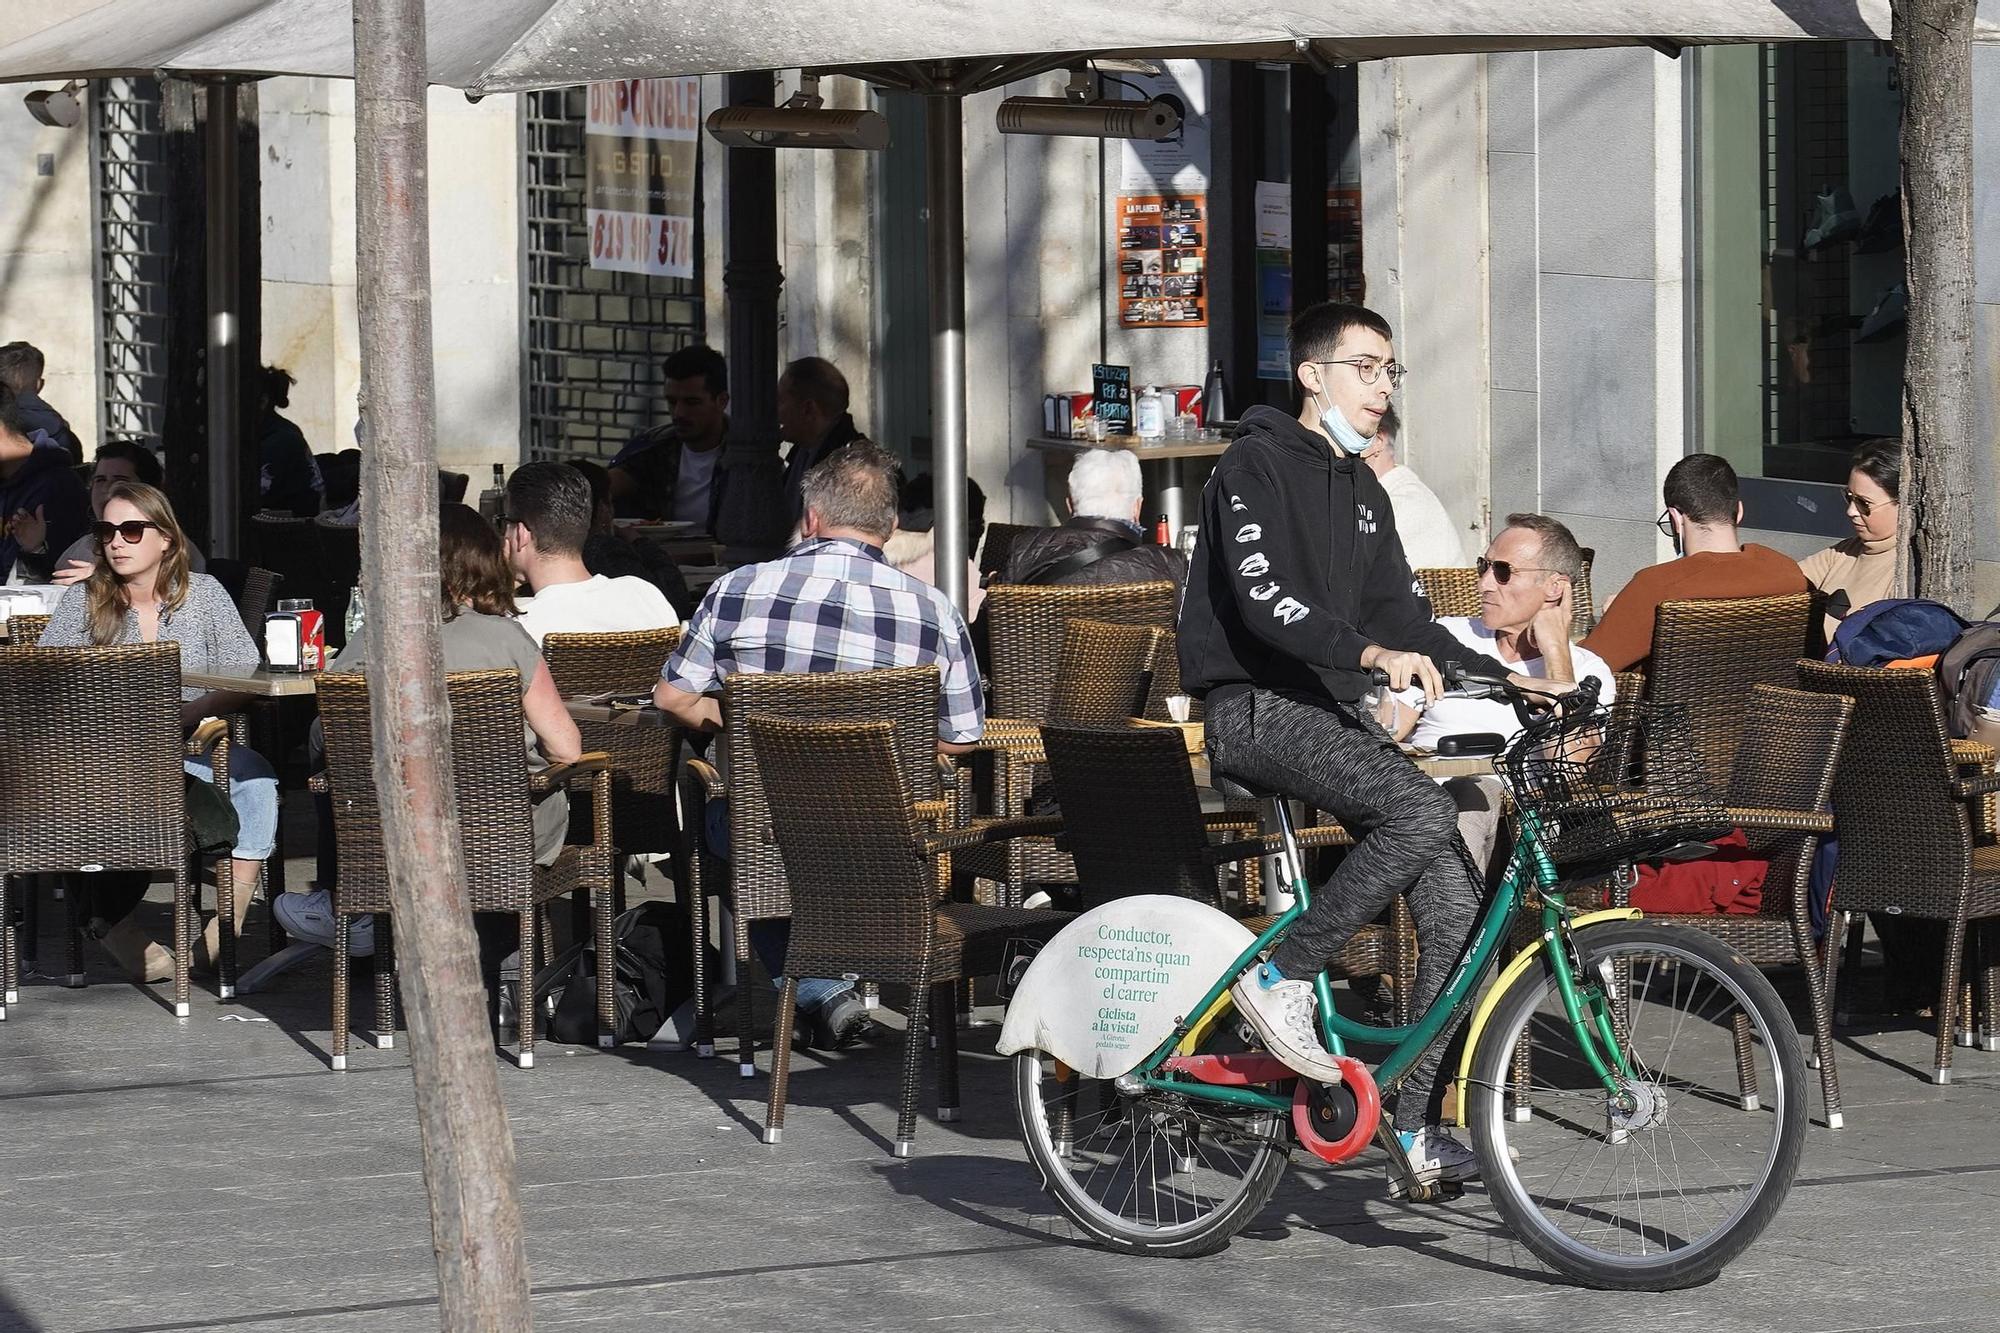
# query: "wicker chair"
490,773
259,595
868,887
1452,591
290,548
26,631
1027,623
642,758
1707,655
1779,791
340,543
753,877
1101,678
68,718
999,544
1905,821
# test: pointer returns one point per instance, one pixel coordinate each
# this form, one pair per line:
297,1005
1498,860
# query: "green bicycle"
1634,1090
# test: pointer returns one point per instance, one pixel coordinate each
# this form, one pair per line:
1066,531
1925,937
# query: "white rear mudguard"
1105,992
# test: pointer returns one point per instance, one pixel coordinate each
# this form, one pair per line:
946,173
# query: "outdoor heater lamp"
57,107
1098,118
803,121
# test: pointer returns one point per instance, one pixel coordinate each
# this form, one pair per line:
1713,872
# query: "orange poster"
1162,261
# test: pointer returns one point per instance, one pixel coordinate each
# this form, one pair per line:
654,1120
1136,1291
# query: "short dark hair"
1316,333
688,362
600,480
275,383
10,411
553,501
1560,552
144,461
1703,488
916,508
855,486
21,366
1881,461
818,380
472,565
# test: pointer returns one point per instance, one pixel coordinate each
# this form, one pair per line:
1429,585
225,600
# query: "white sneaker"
1434,1155
309,917
1282,1012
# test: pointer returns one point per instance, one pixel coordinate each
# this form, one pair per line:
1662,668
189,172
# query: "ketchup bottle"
1163,534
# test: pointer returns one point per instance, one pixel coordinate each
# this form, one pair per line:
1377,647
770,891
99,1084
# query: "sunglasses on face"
133,531
1864,506
1505,570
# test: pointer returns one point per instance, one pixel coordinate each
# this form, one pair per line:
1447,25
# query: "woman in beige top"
1862,569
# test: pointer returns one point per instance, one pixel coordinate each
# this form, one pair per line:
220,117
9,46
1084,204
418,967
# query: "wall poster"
1162,261
640,138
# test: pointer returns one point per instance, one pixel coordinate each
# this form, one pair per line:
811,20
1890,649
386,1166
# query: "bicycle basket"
1613,785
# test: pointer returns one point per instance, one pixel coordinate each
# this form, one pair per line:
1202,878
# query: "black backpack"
654,978
1969,677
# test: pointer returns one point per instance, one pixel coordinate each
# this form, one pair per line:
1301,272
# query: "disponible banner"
640,137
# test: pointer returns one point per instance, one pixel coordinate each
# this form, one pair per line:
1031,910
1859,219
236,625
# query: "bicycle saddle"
1239,788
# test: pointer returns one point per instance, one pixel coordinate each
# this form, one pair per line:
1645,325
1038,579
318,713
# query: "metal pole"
945,141
751,281
223,383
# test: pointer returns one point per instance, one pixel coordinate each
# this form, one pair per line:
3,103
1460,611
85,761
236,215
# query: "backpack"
654,978
1969,677
1894,628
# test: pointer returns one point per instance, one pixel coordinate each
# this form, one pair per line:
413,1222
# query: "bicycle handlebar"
1474,685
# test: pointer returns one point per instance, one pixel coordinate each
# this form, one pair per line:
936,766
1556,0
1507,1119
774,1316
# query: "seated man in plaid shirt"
831,603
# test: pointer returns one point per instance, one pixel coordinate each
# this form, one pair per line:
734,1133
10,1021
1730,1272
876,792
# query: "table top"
261,682
1145,450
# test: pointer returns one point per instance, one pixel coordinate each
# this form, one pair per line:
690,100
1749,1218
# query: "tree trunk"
1933,40
468,1149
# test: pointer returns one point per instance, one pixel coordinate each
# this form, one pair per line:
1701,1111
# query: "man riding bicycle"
1298,589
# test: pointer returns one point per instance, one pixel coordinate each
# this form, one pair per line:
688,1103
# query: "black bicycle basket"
1612,784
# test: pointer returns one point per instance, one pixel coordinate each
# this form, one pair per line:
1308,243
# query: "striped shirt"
831,604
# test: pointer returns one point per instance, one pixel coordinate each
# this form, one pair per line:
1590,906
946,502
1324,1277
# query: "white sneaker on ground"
309,917
1282,1012
1434,1155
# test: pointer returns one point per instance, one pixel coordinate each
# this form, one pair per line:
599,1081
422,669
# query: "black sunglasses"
1505,570
133,530
1864,506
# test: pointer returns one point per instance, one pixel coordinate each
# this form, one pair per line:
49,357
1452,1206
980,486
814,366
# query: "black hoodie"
1299,569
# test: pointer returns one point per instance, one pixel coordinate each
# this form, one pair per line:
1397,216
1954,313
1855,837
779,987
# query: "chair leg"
186,925
914,1042
1947,1009
1989,986
602,907
1967,1027
781,1061
746,1016
340,961
225,926
704,996
524,1007
385,983
1818,990
944,1022
9,963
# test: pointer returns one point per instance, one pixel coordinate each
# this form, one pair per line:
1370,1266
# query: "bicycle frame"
1584,1001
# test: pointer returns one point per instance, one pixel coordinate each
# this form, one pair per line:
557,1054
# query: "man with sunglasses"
1703,510
1298,587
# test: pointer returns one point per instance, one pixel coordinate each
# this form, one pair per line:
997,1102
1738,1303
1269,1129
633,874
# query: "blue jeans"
770,938
253,790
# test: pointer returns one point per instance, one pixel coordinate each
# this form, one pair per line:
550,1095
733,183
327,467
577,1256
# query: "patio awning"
507,45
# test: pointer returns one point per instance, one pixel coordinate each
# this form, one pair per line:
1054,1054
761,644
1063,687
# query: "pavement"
210,1173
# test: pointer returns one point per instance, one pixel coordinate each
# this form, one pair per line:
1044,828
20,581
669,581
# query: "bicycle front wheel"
1663,1184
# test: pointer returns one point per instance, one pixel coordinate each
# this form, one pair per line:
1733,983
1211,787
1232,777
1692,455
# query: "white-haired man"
1102,542
1430,539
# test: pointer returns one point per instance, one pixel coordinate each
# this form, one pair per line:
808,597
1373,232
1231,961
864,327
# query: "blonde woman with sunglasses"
142,591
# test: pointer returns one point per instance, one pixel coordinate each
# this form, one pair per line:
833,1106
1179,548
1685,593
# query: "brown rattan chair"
259,595
868,883
1027,622
490,774
1101,678
753,877
1779,791
68,718
1583,605
1453,591
642,757
1905,820
1707,655
25,631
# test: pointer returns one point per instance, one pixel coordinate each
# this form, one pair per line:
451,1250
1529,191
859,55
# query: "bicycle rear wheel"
1662,1187
1143,1171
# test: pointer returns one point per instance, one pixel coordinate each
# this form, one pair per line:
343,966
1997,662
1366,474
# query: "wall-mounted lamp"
804,121
61,107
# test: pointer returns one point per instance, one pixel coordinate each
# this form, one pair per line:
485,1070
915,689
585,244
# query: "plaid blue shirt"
831,605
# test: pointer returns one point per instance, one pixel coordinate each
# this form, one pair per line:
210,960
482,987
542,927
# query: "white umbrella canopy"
507,45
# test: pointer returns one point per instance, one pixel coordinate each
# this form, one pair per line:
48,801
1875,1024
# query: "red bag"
1730,882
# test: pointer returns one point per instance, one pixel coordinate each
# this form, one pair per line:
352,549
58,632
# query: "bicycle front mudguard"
1111,986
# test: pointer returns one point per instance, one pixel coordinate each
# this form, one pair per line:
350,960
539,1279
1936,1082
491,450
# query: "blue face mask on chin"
1336,426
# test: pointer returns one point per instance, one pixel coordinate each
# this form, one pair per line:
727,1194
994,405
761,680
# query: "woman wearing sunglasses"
142,591
1862,569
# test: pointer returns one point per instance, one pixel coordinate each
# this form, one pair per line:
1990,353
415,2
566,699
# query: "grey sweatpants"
1407,842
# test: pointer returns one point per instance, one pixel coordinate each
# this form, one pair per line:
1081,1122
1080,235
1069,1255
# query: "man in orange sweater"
1702,513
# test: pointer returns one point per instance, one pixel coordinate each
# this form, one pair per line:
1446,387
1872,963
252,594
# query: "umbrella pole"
468,1150
944,126
225,302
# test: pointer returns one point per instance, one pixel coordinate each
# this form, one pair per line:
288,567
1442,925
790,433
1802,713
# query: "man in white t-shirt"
1430,539
548,521
1525,590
